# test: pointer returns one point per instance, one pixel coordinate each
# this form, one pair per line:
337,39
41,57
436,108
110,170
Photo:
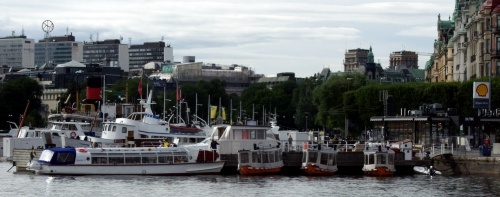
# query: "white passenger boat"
319,161
126,161
74,134
145,125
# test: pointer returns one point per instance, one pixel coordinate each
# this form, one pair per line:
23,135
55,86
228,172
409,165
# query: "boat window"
265,158
271,157
276,156
331,160
132,158
371,159
313,156
256,158
180,159
148,158
64,127
391,159
244,157
165,158
116,158
245,134
72,127
124,129
280,155
114,129
324,159
65,157
261,134
46,155
99,158
381,159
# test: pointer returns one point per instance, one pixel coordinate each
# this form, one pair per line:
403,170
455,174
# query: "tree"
13,99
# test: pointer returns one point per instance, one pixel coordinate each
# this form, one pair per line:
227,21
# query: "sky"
300,36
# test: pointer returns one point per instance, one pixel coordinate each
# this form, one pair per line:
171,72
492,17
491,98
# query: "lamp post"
346,124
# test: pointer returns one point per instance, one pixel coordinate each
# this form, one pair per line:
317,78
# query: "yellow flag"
223,113
213,111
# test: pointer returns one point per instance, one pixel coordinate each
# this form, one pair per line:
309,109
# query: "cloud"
270,36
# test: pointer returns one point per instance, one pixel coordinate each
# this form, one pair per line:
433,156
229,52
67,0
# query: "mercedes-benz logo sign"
47,26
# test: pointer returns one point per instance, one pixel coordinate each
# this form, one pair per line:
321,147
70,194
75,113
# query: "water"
17,184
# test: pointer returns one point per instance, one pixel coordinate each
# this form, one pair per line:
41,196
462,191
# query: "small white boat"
319,161
424,170
126,161
260,161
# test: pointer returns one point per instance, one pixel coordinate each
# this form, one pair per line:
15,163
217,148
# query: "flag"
179,97
139,89
213,111
223,113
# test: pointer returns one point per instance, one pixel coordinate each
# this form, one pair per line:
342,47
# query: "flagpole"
209,117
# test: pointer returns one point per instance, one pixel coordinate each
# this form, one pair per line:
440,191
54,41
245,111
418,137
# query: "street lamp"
345,110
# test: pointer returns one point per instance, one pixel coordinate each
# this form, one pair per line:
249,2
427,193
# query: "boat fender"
73,134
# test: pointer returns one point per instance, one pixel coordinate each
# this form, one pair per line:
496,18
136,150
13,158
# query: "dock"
349,163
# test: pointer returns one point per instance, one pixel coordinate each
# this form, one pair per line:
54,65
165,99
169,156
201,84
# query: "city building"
141,54
58,50
107,53
354,58
408,59
468,44
17,51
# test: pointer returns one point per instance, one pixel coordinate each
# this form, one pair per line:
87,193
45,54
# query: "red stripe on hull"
247,170
381,171
312,170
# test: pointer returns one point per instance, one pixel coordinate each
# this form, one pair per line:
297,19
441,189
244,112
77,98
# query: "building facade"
354,58
408,59
17,51
58,50
141,54
107,53
468,43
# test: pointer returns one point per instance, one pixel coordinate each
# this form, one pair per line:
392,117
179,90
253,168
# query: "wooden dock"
21,158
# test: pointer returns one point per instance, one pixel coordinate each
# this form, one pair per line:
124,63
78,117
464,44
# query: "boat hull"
249,170
149,169
313,170
379,171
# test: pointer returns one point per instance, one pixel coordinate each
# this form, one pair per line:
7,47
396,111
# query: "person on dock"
290,140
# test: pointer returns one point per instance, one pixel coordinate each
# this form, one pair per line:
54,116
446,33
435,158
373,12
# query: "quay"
348,163
458,162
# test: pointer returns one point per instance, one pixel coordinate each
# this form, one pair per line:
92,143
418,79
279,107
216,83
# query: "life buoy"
73,134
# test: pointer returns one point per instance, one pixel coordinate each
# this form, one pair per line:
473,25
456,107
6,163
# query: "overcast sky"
301,36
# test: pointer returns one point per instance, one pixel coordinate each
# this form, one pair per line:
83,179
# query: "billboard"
481,95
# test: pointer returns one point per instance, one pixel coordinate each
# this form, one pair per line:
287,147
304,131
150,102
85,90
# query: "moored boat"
260,161
126,161
378,160
319,161
426,170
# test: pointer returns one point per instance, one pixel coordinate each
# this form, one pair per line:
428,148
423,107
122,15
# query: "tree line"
310,102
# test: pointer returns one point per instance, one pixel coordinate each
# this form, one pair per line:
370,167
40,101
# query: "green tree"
14,96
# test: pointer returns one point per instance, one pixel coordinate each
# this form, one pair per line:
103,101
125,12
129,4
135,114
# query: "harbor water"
27,184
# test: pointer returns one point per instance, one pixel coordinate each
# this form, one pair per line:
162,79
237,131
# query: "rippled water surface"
17,184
